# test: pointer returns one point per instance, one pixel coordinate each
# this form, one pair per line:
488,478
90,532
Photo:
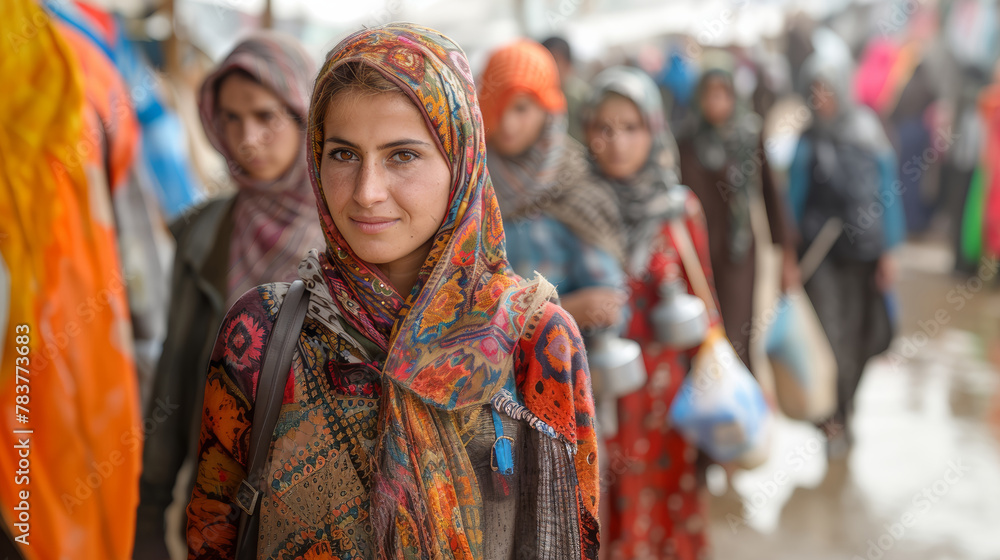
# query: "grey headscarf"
829,71
845,149
654,193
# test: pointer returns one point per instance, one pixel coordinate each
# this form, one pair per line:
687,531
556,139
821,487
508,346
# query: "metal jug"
617,369
680,319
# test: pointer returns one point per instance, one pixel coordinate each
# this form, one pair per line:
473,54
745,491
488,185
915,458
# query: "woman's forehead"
376,114
240,93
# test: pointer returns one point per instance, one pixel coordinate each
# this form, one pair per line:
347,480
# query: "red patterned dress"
653,499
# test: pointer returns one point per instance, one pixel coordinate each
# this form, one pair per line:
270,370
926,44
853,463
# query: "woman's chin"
377,253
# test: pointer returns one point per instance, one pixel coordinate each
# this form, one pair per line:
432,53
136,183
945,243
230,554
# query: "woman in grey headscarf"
652,506
844,172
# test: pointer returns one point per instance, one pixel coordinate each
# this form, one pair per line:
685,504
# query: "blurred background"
923,479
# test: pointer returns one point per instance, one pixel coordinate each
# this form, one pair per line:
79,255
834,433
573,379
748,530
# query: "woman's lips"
373,225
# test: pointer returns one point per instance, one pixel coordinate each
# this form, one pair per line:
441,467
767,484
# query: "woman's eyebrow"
404,142
386,146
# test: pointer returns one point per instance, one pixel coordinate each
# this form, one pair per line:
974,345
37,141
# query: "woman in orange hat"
652,501
558,221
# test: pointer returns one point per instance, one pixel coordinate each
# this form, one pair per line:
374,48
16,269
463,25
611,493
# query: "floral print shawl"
468,329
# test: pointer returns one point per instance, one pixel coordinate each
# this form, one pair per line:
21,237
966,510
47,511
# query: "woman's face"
520,126
619,138
385,180
258,129
717,101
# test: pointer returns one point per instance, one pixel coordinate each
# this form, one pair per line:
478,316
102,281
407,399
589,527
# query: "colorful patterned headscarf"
273,221
450,342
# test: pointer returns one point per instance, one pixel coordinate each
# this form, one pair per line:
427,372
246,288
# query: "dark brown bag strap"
274,370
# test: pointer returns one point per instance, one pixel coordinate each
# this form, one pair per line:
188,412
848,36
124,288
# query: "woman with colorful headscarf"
253,108
557,220
653,503
722,159
844,173
420,352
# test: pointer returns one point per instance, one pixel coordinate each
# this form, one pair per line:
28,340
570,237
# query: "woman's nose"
253,137
371,187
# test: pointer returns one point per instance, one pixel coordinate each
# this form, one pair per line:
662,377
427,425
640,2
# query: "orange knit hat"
520,67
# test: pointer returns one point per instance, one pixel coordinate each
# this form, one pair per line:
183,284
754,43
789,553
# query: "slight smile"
373,225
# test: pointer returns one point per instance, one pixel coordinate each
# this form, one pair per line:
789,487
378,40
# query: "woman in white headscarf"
844,172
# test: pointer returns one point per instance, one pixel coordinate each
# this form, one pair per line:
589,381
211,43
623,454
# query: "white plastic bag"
720,408
805,369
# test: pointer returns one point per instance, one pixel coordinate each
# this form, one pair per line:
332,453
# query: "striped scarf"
274,222
553,178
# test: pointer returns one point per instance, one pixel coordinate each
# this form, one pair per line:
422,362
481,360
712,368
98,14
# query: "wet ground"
922,481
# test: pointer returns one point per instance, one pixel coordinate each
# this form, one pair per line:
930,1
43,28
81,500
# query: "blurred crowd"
662,170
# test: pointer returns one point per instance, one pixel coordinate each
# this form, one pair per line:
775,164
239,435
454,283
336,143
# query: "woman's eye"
404,157
340,155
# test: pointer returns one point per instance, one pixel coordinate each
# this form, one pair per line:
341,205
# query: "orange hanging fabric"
58,240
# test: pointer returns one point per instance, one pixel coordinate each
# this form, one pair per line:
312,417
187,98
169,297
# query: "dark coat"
198,290
734,281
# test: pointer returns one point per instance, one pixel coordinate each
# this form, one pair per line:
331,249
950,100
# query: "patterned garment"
445,349
274,222
526,182
586,208
655,508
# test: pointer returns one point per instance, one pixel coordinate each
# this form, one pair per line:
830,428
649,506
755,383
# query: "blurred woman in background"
722,159
843,180
253,108
557,220
653,501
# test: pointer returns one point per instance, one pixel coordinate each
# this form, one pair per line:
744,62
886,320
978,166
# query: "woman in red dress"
653,500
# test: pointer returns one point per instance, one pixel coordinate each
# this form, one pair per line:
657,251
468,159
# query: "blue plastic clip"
503,449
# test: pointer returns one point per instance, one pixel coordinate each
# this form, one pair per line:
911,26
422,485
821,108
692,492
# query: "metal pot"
617,369
680,319
617,362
